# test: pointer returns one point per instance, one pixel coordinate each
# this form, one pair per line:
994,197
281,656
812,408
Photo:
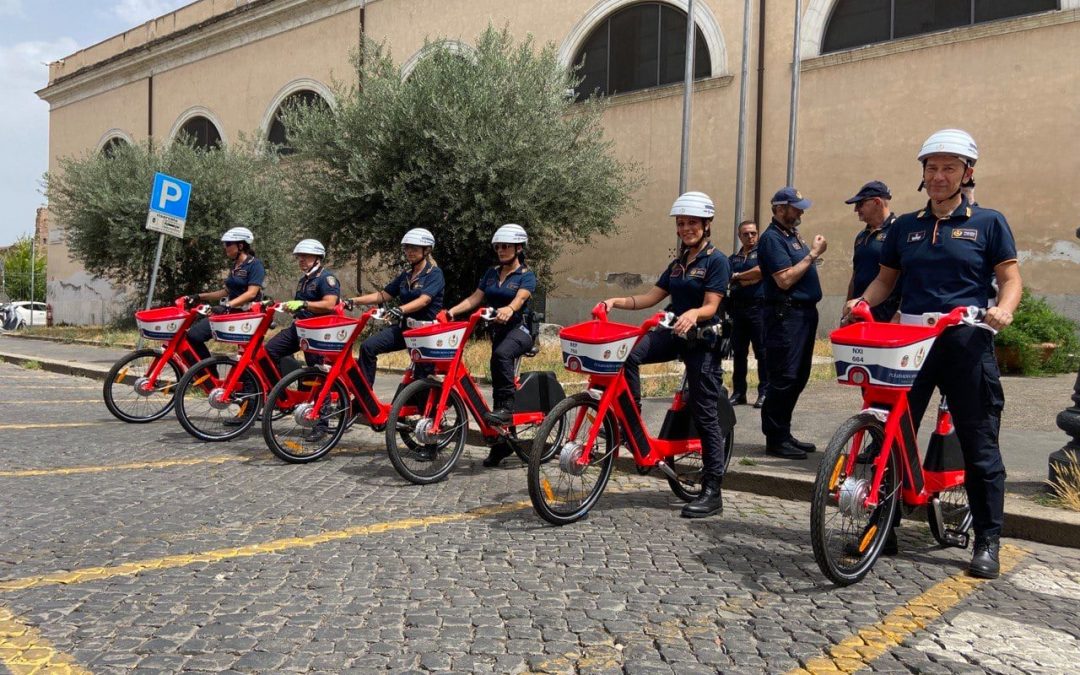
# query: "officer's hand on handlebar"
503,314
292,305
685,322
349,304
219,309
395,315
444,316
190,301
997,318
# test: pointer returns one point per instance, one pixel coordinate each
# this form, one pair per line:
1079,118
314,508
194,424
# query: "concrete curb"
1023,519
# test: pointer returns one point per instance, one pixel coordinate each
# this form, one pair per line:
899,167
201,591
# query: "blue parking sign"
170,196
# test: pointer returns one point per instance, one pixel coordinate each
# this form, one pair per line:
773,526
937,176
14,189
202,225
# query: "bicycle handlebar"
970,316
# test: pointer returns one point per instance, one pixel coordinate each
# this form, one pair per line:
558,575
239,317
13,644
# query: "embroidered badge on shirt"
916,236
697,273
676,271
881,236
331,281
965,233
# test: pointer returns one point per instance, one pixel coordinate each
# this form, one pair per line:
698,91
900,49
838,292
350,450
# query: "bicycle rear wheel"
847,536
562,487
290,434
955,516
202,409
689,467
125,392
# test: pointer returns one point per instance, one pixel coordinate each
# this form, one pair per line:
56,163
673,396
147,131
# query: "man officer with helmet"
244,284
792,291
419,289
948,253
317,293
696,281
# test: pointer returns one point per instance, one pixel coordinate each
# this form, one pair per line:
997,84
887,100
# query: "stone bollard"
1068,420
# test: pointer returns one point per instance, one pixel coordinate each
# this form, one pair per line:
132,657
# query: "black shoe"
868,454
760,401
233,422
891,547
737,399
802,445
317,432
497,454
785,450
985,564
499,417
425,453
710,501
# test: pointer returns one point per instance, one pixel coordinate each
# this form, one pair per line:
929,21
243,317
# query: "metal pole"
796,62
153,274
740,163
33,264
688,87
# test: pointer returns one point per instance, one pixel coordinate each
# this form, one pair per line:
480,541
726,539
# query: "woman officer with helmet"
506,287
317,293
419,289
243,285
696,282
949,253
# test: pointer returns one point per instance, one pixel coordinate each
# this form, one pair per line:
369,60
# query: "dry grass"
1066,487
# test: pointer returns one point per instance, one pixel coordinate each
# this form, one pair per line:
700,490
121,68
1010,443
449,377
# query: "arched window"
855,23
202,131
641,46
112,145
278,135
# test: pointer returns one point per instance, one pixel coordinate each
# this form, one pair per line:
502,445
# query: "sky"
33,33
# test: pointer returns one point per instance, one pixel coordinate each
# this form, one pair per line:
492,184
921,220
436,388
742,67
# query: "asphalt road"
136,547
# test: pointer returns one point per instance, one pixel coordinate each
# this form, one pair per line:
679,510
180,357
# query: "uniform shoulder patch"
331,280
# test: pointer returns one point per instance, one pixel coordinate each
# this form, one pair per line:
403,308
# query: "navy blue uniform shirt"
429,282
950,262
315,286
500,295
248,273
750,293
866,263
778,250
687,283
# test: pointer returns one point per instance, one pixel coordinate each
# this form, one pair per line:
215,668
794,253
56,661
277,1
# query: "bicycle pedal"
957,539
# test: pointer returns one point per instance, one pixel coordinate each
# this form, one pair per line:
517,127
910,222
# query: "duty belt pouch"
724,344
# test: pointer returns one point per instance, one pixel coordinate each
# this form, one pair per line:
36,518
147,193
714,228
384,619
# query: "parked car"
18,315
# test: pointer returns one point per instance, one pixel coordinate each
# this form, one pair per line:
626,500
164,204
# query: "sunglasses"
500,247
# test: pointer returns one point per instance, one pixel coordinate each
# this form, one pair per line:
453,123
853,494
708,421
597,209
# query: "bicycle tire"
297,443
120,374
210,424
418,462
847,556
545,465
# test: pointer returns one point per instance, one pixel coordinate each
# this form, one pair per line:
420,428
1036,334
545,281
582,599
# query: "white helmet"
238,234
695,204
418,236
311,247
510,234
951,142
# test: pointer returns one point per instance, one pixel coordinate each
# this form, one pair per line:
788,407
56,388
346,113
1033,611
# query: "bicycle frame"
346,369
456,376
251,355
177,349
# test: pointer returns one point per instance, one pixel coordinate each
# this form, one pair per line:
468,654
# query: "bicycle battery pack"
944,453
539,392
678,425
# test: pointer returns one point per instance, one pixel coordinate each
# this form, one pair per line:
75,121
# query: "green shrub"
1035,322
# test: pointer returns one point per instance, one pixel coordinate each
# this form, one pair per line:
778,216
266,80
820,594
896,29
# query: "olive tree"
465,143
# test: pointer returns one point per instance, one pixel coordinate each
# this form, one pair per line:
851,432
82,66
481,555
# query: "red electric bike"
568,471
872,463
325,400
428,421
140,387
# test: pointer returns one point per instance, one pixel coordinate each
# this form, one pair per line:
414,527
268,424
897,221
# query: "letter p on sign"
170,192
168,205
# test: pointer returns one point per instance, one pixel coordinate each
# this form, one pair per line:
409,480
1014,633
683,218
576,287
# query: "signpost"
168,213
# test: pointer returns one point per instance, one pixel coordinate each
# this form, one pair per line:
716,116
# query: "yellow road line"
276,546
61,401
859,650
24,650
163,464
80,387
51,425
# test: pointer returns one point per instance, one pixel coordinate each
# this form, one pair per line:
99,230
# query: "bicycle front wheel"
420,455
565,478
848,536
203,409
289,429
128,394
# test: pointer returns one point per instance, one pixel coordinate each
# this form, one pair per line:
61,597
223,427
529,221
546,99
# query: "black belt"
798,304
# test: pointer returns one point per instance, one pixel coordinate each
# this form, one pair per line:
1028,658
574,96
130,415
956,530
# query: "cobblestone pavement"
135,547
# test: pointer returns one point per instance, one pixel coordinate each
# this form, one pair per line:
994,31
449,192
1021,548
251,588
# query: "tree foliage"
101,201
16,265
466,143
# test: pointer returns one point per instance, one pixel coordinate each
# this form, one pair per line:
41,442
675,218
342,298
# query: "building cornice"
245,24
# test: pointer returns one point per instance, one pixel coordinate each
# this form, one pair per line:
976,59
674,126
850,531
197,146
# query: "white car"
18,315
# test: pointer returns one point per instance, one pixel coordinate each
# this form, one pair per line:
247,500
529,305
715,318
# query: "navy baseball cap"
791,197
874,188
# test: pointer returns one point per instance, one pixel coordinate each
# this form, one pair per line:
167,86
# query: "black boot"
985,564
710,501
497,454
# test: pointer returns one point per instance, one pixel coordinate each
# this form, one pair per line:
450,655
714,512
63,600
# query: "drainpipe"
740,164
760,112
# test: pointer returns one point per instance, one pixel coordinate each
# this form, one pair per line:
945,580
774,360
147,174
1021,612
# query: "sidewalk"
1029,434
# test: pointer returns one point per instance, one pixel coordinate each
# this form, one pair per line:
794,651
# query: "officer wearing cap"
745,302
792,291
872,206
949,252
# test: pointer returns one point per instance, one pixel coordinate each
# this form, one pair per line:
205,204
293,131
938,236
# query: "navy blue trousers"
389,339
789,351
704,376
287,343
506,346
748,328
961,363
198,335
